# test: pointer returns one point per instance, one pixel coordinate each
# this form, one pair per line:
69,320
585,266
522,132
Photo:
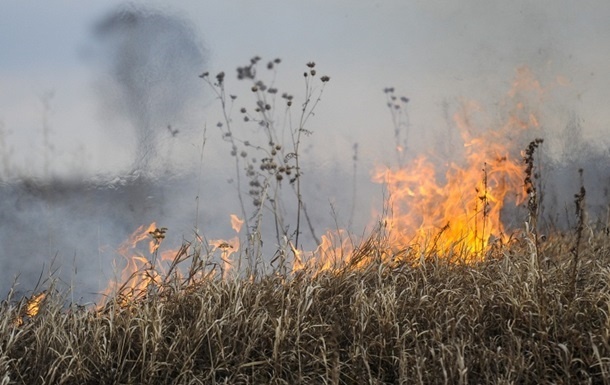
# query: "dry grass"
505,320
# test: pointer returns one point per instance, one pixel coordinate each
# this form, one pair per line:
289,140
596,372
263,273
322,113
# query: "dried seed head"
325,78
311,64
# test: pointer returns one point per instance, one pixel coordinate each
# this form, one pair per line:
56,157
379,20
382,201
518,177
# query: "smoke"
149,62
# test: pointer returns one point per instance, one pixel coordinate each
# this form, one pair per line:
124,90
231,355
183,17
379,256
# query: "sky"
434,52
71,109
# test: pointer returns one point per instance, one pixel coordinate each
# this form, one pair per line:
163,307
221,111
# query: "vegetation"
503,320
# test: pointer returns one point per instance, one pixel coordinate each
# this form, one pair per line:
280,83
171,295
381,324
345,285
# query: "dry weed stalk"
532,196
272,157
579,202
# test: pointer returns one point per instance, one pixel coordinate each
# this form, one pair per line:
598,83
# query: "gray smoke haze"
149,61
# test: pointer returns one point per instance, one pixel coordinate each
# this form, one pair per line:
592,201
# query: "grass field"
396,319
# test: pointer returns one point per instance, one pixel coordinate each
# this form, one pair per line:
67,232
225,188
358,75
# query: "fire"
228,247
336,248
33,305
31,309
144,273
457,214
449,209
141,272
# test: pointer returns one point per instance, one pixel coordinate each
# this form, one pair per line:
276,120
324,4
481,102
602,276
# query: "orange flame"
140,272
32,307
228,247
454,213
335,249
458,214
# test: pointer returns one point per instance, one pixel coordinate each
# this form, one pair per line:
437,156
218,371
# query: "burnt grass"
523,315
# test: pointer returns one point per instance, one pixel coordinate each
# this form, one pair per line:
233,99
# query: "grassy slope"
506,320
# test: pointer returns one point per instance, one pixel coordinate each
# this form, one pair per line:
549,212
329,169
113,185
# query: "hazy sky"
432,51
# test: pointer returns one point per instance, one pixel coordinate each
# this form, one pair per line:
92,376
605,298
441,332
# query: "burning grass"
440,292
504,320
